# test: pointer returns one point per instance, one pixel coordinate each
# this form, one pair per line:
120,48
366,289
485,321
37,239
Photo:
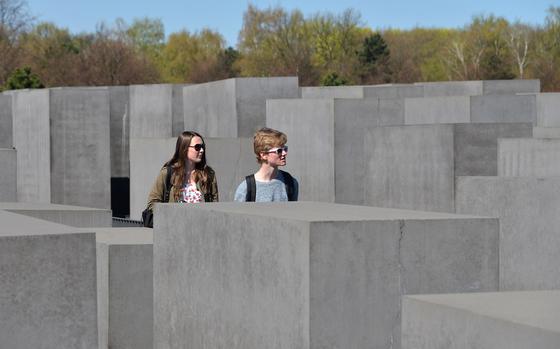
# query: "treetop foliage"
321,49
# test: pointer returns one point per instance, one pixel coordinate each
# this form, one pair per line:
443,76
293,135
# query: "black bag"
148,214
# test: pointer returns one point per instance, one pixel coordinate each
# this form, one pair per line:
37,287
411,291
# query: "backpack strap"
167,184
251,188
289,182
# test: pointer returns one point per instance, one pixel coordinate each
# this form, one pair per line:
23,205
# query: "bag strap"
289,182
167,184
251,188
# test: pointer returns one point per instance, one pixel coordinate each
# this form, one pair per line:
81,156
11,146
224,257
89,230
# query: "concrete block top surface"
26,206
540,309
323,211
123,236
14,224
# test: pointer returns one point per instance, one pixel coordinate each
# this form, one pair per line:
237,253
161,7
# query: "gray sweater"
275,190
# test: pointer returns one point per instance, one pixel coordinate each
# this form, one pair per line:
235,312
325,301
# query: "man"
269,183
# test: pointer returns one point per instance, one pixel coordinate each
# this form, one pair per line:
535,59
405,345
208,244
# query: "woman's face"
196,150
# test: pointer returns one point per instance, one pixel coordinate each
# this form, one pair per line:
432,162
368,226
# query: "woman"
191,179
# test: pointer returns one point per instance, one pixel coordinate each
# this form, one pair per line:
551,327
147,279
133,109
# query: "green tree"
23,78
332,79
374,58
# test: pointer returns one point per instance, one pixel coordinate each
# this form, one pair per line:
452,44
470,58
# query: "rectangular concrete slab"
528,211
178,119
500,320
119,111
80,147
6,121
234,107
451,88
48,288
546,132
231,158
393,91
410,167
497,87
125,289
503,108
151,111
74,216
8,175
548,109
320,275
31,116
528,157
330,92
437,110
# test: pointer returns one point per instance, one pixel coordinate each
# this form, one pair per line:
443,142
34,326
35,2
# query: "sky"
226,16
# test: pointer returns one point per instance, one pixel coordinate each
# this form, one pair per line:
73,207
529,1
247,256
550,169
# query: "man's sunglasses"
279,150
197,147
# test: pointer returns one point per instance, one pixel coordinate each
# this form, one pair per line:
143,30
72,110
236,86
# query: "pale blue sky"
226,16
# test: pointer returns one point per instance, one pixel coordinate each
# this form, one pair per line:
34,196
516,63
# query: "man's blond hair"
266,139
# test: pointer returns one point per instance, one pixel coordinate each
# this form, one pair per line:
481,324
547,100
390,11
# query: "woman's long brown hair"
178,163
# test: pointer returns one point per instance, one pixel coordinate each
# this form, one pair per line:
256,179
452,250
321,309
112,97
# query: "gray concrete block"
320,275
125,286
74,216
8,175
528,211
177,109
476,146
80,147
32,117
231,158
499,320
330,92
6,121
120,130
151,111
48,288
409,167
496,87
437,110
322,132
528,157
451,88
393,91
546,132
503,108
234,107
548,109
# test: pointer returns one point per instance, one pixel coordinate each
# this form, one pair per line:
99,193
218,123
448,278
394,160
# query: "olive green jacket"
158,189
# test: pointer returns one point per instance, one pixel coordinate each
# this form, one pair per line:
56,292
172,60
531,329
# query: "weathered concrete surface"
177,109
8,175
48,288
391,91
120,130
504,320
548,109
234,107
503,108
320,275
31,117
74,216
151,111
409,167
337,126
476,146
330,92
6,121
231,158
437,110
546,132
480,87
414,166
80,147
126,291
528,210
528,157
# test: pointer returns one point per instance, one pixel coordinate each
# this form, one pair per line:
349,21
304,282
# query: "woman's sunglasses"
279,150
197,147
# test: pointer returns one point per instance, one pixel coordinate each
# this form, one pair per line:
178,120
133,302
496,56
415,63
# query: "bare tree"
518,41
